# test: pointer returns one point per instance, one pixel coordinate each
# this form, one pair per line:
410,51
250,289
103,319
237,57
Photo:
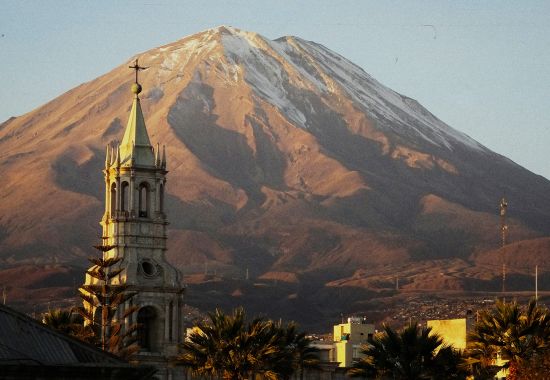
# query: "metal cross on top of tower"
137,67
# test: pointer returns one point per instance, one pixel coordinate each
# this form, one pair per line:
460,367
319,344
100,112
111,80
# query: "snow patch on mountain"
268,65
177,57
382,102
261,71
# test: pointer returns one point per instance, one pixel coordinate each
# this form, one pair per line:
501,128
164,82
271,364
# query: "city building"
453,331
328,368
348,338
134,229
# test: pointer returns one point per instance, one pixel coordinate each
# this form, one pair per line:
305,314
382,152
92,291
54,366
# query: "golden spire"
135,147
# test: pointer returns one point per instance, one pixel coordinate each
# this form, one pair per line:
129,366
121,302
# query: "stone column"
173,322
107,194
167,317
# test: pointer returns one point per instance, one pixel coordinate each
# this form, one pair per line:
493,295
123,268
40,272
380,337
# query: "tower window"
148,268
148,329
113,199
143,200
124,196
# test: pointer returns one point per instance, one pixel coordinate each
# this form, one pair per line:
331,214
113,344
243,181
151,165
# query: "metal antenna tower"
504,236
503,224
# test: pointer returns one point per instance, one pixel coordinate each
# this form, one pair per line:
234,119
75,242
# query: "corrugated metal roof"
27,340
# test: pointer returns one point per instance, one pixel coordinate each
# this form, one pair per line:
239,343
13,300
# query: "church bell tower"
134,229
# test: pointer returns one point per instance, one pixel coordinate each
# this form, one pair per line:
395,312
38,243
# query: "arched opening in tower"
113,200
143,200
124,197
148,329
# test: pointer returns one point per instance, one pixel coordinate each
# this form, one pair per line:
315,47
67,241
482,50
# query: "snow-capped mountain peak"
272,68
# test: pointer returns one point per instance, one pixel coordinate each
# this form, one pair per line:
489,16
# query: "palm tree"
268,350
228,347
508,331
412,353
303,354
59,319
69,322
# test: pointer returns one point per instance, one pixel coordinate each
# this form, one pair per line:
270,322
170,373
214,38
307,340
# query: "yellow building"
348,338
453,331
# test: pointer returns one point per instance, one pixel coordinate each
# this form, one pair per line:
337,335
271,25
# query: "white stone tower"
134,225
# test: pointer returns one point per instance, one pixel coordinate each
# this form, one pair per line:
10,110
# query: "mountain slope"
284,157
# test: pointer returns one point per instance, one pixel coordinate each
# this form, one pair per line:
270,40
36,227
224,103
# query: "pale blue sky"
483,68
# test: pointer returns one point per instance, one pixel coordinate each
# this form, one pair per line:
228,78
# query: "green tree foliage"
102,301
411,353
59,319
304,356
515,334
68,322
229,347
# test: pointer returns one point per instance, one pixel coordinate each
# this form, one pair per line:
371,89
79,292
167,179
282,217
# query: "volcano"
288,164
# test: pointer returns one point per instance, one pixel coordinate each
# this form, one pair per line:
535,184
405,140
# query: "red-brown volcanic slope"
284,159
